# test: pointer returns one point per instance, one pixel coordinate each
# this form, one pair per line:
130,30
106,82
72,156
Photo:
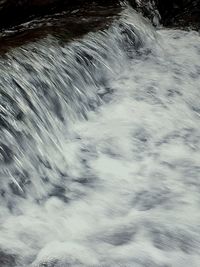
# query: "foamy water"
100,138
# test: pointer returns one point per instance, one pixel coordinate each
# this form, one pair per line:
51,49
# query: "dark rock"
171,13
13,12
180,13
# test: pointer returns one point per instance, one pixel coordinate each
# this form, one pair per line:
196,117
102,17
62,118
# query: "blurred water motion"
99,144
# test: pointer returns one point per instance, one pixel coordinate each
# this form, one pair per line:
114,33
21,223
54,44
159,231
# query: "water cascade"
99,148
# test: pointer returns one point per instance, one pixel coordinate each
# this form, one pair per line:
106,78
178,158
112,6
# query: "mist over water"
99,149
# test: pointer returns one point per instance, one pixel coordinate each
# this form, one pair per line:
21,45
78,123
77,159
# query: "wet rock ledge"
13,12
180,13
171,13
184,14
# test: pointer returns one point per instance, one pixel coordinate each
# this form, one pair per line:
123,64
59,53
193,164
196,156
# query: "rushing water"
99,149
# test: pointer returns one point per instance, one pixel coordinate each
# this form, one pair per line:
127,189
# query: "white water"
112,183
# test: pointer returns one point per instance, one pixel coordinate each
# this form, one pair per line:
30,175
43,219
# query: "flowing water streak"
100,149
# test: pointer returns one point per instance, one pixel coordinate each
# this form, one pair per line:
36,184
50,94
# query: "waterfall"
99,148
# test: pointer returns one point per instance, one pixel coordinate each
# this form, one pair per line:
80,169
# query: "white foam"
139,205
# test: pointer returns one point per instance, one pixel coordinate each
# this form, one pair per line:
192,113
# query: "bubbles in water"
99,149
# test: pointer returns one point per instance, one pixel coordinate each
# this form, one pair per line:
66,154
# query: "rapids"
99,149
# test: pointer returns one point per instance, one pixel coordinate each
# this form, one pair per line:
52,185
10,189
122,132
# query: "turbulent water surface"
99,149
